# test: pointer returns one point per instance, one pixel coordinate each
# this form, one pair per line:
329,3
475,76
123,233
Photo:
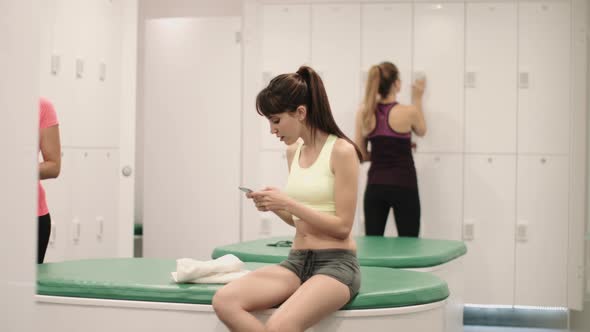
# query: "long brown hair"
379,82
286,92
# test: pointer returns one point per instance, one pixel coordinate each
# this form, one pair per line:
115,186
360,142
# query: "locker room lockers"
498,101
80,73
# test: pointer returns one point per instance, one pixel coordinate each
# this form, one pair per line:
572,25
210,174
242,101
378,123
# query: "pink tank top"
47,118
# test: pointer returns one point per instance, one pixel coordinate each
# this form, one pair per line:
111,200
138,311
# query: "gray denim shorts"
340,264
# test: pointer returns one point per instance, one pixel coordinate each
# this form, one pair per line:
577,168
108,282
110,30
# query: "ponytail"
319,113
370,102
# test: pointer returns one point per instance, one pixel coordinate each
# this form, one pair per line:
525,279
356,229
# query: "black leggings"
43,232
380,198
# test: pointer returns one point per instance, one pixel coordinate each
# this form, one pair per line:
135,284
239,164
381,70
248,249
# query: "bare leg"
260,289
317,298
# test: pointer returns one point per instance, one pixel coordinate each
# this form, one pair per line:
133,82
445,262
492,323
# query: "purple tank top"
391,153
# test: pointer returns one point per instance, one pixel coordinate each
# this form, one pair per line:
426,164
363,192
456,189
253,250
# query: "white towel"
221,270
214,278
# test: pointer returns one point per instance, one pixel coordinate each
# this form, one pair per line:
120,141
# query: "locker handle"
79,68
102,70
76,223
523,80
468,230
100,222
522,231
55,64
53,234
470,80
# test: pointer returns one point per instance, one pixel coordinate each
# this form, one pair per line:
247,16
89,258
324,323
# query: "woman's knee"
223,302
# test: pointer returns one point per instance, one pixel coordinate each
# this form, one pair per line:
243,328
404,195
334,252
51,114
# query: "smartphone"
246,190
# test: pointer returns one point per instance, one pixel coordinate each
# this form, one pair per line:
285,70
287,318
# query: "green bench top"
148,279
392,252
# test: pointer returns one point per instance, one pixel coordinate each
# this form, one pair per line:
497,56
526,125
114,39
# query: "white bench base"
452,272
70,314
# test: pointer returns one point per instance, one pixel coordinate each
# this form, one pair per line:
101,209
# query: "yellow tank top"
313,186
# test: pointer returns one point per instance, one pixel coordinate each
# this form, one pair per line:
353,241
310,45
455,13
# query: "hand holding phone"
246,190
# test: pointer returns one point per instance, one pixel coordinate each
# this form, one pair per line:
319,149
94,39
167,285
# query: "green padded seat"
392,252
137,229
148,279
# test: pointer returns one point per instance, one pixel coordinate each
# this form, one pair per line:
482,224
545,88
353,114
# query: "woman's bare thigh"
316,299
263,288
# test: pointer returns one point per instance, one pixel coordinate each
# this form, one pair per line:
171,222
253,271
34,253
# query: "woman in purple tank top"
384,134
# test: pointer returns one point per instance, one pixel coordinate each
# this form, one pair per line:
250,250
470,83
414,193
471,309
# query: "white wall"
149,9
19,105
192,132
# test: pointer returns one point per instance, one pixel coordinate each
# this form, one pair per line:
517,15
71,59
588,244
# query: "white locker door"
488,228
439,54
105,70
440,181
335,54
285,38
89,121
386,34
79,240
88,110
192,136
542,231
490,80
48,11
285,47
544,77
104,217
60,86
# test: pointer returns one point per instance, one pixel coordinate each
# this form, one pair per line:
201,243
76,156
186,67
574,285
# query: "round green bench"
443,258
144,287
392,252
144,279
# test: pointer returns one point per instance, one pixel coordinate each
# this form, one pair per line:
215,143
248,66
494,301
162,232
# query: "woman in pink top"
49,167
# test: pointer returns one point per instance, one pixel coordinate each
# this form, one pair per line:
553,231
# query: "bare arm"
418,121
359,139
51,151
